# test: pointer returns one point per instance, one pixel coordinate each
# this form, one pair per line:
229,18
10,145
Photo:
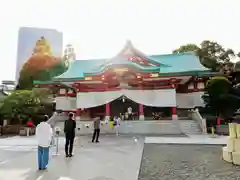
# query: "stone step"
131,127
190,127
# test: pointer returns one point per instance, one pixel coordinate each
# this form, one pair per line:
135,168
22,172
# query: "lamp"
123,99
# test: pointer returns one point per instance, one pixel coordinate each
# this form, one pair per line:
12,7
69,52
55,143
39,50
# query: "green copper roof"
168,64
181,62
119,63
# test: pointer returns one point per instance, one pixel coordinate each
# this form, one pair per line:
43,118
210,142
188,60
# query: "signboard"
120,70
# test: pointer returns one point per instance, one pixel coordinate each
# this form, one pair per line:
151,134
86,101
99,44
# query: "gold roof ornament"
42,47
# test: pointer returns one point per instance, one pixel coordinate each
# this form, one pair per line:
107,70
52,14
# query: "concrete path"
22,141
190,139
114,158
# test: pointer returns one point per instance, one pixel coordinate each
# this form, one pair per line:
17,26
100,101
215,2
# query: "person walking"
69,130
117,121
44,135
130,114
96,131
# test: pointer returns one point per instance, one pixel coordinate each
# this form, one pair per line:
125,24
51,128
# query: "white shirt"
118,121
129,110
44,134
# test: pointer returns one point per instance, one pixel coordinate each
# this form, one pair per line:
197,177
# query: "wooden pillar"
107,112
141,107
174,113
195,84
141,112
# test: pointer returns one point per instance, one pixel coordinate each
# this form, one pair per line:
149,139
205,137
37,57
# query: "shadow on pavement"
25,168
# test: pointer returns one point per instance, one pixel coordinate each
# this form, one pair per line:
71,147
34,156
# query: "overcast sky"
99,28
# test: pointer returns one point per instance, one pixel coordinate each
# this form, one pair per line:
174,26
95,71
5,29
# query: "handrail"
200,120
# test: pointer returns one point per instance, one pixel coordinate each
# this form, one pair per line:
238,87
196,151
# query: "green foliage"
22,104
219,98
48,74
27,77
187,48
218,86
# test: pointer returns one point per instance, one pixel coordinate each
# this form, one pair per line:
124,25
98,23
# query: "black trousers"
95,135
130,116
69,144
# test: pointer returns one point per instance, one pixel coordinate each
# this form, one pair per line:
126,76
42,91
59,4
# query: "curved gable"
181,62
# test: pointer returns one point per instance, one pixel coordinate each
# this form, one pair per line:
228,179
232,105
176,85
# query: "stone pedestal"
141,117
141,112
231,153
174,113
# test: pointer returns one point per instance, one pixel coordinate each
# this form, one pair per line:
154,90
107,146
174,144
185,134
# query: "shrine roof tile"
170,63
181,62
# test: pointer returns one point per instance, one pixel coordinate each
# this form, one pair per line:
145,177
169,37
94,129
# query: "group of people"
128,115
44,134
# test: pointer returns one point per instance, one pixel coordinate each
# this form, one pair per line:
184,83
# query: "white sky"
99,28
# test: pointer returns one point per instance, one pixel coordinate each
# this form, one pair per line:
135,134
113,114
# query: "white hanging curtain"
65,103
185,101
190,100
94,99
154,98
198,100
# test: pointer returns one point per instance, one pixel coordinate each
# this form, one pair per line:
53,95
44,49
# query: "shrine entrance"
157,113
120,107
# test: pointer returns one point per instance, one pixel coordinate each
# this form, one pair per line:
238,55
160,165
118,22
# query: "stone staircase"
162,127
167,127
189,127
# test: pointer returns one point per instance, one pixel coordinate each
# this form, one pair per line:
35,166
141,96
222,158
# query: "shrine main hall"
149,84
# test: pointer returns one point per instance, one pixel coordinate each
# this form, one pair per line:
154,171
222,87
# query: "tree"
22,104
40,67
214,56
187,48
220,97
42,47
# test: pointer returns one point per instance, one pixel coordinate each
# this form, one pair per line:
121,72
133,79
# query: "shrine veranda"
175,81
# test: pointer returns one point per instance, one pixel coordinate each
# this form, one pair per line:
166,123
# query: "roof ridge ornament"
130,50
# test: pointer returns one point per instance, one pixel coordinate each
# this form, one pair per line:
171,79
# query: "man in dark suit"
69,130
96,131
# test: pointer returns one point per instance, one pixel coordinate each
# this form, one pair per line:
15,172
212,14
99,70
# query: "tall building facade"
27,38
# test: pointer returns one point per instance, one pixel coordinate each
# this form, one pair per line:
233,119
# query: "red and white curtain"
155,98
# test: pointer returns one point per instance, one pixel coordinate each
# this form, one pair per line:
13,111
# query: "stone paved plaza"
118,158
114,158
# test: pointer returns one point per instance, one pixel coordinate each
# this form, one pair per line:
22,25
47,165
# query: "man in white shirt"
129,113
44,136
117,121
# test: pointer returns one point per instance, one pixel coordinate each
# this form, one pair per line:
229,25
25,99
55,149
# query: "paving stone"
185,162
114,158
